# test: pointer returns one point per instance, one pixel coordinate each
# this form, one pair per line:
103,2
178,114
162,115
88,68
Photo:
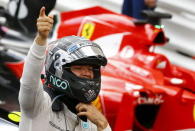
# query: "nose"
87,73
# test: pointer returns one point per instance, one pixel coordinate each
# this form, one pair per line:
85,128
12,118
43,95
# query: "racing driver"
72,82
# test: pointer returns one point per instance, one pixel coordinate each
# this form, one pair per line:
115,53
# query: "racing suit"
35,103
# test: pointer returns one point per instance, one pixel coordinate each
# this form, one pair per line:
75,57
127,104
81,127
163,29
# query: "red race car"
141,89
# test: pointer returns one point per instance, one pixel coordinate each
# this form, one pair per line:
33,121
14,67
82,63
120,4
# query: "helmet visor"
86,51
70,53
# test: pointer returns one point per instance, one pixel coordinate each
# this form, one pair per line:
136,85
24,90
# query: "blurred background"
180,29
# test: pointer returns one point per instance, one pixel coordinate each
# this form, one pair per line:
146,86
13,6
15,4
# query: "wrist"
101,125
40,40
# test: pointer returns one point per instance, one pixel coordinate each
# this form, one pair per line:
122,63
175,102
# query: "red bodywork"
141,90
16,68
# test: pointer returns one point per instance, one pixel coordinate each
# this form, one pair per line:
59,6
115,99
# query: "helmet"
74,50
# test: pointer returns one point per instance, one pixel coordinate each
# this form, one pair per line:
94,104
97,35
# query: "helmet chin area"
82,89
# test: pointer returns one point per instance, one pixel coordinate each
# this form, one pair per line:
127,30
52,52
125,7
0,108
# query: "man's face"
83,71
151,3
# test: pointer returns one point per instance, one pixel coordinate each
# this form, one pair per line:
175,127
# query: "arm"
91,112
30,92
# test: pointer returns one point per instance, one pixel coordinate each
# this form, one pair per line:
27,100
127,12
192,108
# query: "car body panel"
136,80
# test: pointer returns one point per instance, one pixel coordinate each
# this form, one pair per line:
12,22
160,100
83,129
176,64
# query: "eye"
77,68
90,68
96,68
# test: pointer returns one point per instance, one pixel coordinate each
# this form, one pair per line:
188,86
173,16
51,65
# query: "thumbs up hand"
44,26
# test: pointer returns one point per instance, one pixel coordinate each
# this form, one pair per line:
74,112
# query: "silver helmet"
74,50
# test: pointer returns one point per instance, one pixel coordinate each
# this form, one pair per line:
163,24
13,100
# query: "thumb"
42,12
51,16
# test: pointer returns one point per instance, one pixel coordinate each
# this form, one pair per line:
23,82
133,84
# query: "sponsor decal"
14,116
85,125
88,30
63,84
56,126
90,94
73,48
150,100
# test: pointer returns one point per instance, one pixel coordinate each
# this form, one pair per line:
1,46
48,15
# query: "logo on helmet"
63,84
90,94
